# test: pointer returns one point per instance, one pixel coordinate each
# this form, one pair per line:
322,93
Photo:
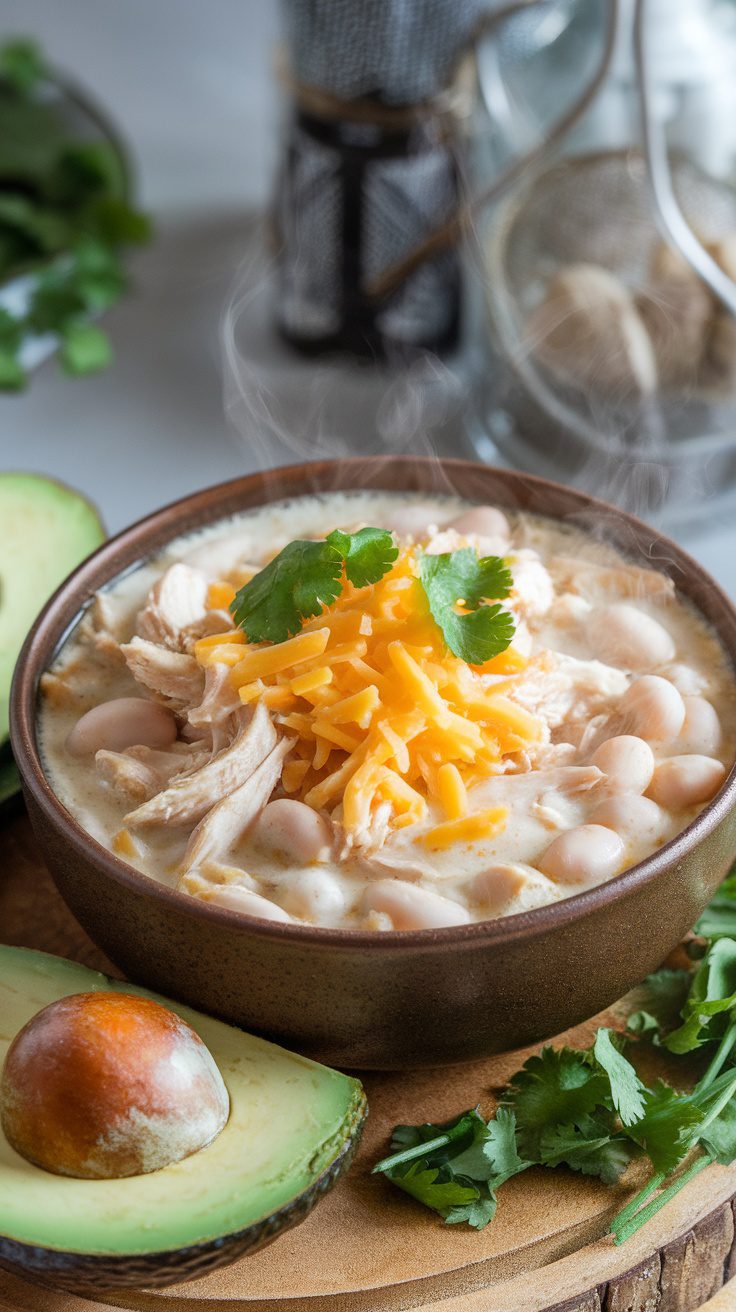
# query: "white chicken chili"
477,715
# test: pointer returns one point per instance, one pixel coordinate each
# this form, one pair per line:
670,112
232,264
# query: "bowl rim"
204,508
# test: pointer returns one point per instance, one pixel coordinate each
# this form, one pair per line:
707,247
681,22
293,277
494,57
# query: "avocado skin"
81,1273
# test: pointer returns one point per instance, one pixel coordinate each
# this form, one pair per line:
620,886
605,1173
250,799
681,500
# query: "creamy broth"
609,663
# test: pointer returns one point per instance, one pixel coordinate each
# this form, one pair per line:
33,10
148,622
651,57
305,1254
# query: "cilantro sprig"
459,585
588,1109
456,1168
307,576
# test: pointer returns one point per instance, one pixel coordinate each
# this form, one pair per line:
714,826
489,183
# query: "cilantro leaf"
461,578
85,349
12,373
368,554
707,1010
21,65
477,1214
668,1126
719,918
587,1146
644,1023
720,1136
425,1184
627,1090
307,576
55,303
493,1155
659,1000
558,1087
293,587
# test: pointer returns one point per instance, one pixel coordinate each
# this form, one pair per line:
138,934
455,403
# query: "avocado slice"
47,530
293,1128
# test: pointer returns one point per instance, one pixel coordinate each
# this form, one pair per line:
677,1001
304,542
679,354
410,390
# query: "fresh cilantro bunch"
587,1109
564,1107
307,576
63,209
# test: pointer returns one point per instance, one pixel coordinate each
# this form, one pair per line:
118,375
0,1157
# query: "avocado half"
293,1128
47,530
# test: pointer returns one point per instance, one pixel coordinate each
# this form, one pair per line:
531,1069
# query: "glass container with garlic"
610,267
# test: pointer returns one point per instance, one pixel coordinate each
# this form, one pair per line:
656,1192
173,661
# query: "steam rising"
285,406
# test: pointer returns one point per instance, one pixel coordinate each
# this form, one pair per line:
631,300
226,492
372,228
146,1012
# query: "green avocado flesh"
289,1120
47,530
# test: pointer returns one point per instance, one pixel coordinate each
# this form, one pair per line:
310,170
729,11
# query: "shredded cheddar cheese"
482,824
386,719
452,791
124,844
220,595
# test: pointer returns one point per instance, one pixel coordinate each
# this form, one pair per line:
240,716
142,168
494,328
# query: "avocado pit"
106,1085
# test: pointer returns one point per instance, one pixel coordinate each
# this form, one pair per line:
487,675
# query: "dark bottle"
355,197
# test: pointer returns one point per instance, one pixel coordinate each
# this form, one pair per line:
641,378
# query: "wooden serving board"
369,1248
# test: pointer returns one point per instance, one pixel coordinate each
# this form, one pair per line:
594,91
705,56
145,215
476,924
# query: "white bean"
124,722
411,907
623,635
653,709
237,898
315,895
292,829
586,855
701,731
485,521
628,763
683,781
495,887
631,816
687,681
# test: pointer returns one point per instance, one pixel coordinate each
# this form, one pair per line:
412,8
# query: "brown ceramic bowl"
350,997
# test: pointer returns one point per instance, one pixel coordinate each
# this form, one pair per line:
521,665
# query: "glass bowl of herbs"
66,213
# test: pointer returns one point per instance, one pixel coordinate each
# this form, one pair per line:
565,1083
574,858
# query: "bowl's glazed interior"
356,997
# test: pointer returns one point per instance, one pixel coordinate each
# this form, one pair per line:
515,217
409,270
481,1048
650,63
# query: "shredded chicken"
616,582
379,864
533,592
226,822
176,602
572,778
563,688
104,627
366,840
215,718
213,621
140,772
200,882
62,694
188,799
173,677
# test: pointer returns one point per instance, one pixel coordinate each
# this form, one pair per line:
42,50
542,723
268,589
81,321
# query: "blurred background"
562,322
